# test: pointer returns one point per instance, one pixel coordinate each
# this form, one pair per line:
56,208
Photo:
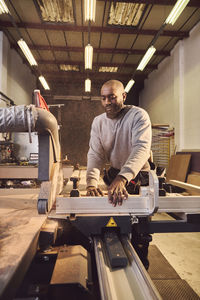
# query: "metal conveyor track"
131,282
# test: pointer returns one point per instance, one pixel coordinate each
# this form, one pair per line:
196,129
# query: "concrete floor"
182,250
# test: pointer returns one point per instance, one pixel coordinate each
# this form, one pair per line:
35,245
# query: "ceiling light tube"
88,56
90,10
3,7
146,58
176,11
25,49
129,85
88,85
44,83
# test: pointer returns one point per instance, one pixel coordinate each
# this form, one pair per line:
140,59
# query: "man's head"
113,97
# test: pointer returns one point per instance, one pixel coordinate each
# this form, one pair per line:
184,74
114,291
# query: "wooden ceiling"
57,43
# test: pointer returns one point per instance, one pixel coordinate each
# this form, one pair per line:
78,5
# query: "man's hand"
117,191
93,191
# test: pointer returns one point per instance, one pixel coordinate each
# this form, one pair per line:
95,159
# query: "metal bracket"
134,219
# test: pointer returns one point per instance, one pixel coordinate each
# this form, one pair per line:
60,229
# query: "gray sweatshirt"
125,142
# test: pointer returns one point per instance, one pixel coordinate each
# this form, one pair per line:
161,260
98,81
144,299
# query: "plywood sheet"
178,167
195,159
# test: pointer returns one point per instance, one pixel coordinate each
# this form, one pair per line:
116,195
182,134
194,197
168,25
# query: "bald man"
122,136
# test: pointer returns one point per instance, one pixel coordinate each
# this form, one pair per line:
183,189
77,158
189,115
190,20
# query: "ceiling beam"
97,50
193,3
104,64
96,77
108,29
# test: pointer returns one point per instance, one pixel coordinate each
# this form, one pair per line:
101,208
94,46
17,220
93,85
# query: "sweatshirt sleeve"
141,145
95,157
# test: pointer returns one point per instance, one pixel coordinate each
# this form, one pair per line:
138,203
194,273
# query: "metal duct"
30,118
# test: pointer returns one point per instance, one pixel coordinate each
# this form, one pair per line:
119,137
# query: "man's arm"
95,159
141,145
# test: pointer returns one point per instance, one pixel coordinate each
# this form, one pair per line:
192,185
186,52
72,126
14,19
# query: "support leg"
141,239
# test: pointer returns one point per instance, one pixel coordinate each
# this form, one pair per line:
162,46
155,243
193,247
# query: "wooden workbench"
19,231
27,172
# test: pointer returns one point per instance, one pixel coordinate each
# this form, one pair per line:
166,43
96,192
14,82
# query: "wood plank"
67,171
22,172
19,232
32,192
186,186
48,234
178,167
16,199
71,266
194,179
81,173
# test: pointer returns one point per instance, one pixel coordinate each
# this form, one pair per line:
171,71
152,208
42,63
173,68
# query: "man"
122,135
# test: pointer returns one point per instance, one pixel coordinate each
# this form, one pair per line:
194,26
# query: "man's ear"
124,96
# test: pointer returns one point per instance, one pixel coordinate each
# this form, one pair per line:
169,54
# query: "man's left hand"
117,192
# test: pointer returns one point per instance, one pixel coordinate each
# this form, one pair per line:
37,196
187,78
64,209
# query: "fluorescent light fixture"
125,14
44,83
3,8
64,67
56,10
176,11
146,58
88,56
90,10
108,69
88,85
129,85
27,52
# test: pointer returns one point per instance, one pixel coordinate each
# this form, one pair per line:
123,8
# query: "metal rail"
131,282
135,205
145,204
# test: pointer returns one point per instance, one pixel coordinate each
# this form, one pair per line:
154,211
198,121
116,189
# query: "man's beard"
113,110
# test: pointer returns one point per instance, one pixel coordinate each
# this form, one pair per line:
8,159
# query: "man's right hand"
93,191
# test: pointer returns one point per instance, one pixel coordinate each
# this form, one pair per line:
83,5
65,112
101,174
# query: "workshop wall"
16,80
76,120
171,93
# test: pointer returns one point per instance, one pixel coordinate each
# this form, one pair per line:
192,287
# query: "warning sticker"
111,223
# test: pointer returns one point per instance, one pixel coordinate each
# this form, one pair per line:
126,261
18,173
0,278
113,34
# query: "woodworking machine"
108,229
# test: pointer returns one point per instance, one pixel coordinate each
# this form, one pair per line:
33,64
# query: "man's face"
112,99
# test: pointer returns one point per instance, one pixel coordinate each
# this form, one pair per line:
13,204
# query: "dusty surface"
19,228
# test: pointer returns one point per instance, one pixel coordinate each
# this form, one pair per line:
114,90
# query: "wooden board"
22,172
194,179
67,171
28,172
19,231
82,183
187,186
178,167
195,159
